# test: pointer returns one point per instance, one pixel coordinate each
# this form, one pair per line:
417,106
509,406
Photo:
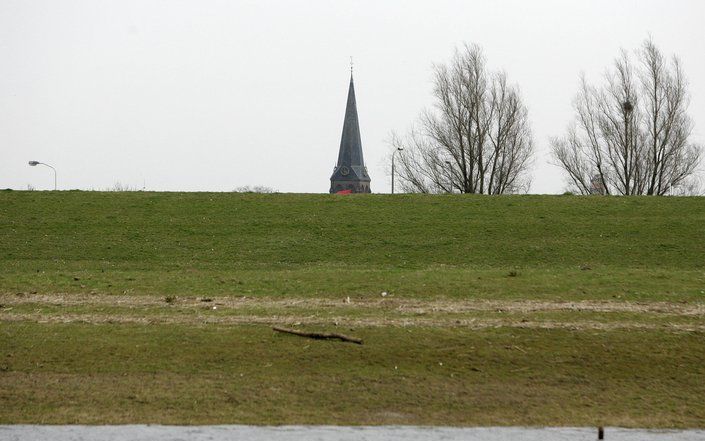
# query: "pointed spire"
350,171
350,153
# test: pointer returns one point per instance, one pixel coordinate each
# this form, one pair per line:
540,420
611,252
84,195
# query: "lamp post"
450,176
399,149
627,108
35,163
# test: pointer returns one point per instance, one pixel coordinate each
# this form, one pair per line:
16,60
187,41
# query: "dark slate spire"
350,144
350,172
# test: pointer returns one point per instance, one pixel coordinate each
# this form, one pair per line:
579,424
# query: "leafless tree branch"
476,138
631,135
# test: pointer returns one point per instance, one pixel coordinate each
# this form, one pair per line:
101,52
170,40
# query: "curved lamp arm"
398,149
35,163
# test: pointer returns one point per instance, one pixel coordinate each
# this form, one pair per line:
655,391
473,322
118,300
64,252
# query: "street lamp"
35,163
627,108
450,176
399,149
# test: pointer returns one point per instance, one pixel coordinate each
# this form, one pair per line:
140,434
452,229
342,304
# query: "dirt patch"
404,305
473,314
345,322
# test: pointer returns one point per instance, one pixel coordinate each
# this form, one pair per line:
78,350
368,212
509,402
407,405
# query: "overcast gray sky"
213,95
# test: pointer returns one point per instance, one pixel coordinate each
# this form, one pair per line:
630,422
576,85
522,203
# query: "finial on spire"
351,65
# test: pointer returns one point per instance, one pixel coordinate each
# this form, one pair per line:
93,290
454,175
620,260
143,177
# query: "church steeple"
350,172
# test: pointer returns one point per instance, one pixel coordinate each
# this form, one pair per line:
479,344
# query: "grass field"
517,310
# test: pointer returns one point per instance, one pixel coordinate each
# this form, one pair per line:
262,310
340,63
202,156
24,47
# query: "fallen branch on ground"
318,335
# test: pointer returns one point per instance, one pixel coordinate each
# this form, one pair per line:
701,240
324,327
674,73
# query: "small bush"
255,189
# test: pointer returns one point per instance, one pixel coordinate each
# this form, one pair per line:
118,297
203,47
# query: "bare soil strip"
328,312
389,303
345,322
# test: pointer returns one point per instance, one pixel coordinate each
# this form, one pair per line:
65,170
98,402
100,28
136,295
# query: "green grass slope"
458,246
515,310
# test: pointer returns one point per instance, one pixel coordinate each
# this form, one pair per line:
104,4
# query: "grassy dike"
516,310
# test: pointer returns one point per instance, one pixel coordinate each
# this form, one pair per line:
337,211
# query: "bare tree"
477,137
631,135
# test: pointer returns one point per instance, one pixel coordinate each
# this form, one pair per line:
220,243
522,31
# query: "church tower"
350,173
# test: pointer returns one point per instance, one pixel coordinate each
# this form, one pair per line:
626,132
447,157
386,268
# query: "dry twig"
318,335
